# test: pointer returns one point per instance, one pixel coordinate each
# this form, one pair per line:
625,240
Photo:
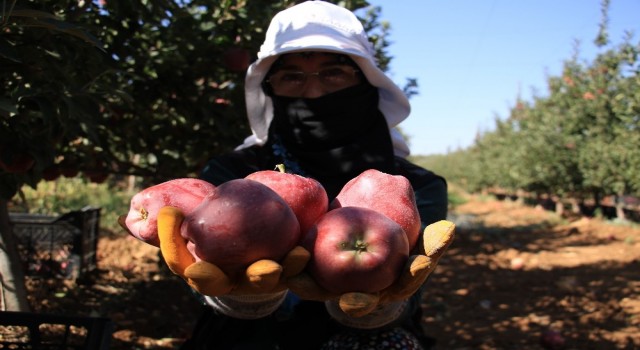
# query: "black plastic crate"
61,246
25,330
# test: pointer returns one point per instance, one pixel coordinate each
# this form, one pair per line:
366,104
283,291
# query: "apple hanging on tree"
236,59
17,162
51,173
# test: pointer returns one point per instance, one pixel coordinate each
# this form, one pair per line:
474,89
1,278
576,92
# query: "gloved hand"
436,239
262,277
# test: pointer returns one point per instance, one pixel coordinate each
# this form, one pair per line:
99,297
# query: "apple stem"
280,167
360,245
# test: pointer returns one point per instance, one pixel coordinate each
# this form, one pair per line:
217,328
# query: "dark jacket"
302,324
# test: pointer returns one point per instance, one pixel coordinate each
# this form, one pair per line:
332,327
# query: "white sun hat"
320,26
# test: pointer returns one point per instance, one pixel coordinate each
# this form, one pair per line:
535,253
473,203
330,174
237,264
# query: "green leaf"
8,185
67,28
8,106
31,13
126,97
76,31
7,51
44,105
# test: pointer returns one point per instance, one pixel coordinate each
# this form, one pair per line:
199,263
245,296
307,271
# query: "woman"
318,103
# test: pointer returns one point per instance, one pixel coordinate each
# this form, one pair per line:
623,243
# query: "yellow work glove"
436,239
261,277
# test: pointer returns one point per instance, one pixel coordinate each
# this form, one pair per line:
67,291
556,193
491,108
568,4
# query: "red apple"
97,171
552,339
241,222
391,195
16,162
236,59
51,173
304,195
184,194
356,249
97,177
69,171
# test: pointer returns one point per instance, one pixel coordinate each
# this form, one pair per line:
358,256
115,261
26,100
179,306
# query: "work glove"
436,239
260,278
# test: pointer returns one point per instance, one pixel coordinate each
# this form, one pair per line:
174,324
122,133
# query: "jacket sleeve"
235,165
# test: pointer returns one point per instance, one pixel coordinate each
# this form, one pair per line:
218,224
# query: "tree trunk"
559,206
575,205
620,214
12,288
599,212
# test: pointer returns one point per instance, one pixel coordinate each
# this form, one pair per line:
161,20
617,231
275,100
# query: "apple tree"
119,87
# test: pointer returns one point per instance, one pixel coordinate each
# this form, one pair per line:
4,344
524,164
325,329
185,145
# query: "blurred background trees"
148,88
580,141
106,89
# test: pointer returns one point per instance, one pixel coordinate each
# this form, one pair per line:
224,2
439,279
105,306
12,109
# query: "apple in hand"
391,195
356,249
241,222
304,195
184,194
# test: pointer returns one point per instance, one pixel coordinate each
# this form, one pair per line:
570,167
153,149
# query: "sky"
473,58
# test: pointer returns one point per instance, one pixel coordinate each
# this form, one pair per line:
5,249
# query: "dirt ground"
520,278
516,277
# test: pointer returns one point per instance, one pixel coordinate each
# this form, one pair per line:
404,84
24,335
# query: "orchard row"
151,89
580,141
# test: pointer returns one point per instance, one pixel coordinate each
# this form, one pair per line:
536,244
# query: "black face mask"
325,122
332,138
